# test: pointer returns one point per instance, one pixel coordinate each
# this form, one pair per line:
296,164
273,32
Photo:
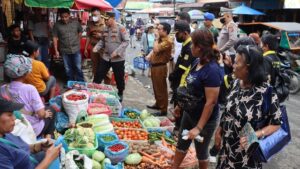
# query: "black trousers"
119,73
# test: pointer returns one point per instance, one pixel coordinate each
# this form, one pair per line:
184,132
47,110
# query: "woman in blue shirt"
203,82
14,152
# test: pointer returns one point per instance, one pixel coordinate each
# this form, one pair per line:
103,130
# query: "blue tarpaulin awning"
245,10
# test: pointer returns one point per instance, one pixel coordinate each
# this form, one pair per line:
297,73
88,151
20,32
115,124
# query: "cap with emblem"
209,16
182,26
107,15
224,10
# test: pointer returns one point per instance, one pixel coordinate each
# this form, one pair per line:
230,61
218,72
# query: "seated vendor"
17,67
39,76
16,40
14,152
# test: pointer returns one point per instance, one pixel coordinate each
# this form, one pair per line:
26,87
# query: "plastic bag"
56,103
72,108
61,122
24,130
74,155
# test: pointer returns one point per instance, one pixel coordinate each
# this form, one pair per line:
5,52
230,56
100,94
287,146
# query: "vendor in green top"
208,25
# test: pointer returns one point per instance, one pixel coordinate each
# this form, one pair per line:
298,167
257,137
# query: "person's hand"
220,61
114,55
86,53
53,152
56,54
177,111
48,114
227,61
95,49
47,144
218,140
193,133
243,142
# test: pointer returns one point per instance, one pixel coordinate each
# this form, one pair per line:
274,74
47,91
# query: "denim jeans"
72,63
44,57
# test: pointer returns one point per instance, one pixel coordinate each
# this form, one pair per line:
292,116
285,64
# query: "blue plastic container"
140,63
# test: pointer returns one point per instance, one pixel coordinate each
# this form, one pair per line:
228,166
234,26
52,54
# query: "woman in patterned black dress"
244,106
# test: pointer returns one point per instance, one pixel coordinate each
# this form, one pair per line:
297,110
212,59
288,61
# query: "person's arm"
144,42
159,47
51,154
232,31
30,28
87,41
55,41
124,44
211,95
98,46
44,72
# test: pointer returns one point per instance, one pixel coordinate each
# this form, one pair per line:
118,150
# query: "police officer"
159,57
228,35
114,41
184,61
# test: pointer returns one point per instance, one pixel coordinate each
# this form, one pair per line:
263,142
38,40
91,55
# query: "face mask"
222,20
95,18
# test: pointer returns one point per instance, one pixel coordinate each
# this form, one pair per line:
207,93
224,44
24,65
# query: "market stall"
97,132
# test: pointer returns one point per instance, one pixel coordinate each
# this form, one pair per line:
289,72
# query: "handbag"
275,142
186,100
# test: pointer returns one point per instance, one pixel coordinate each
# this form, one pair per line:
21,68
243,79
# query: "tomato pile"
131,134
127,124
116,147
76,97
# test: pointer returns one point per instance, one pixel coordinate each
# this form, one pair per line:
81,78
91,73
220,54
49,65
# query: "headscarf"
17,66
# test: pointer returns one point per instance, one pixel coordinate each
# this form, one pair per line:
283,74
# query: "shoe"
121,98
159,114
153,107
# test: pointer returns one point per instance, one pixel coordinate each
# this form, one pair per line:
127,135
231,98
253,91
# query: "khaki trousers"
95,60
159,82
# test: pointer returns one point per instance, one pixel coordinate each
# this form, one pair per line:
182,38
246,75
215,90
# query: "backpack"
281,82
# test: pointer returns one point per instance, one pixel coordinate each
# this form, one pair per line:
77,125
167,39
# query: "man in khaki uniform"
158,59
114,42
95,29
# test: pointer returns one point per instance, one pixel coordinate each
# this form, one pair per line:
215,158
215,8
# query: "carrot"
156,154
148,160
161,159
147,155
163,141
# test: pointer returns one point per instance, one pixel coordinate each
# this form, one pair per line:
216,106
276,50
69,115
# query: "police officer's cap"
182,26
209,16
107,15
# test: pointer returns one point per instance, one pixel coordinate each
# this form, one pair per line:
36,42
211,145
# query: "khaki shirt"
227,38
114,40
93,29
164,51
68,36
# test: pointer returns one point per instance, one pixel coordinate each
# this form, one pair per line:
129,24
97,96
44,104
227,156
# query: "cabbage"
98,156
105,161
144,114
152,122
133,159
148,123
96,165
